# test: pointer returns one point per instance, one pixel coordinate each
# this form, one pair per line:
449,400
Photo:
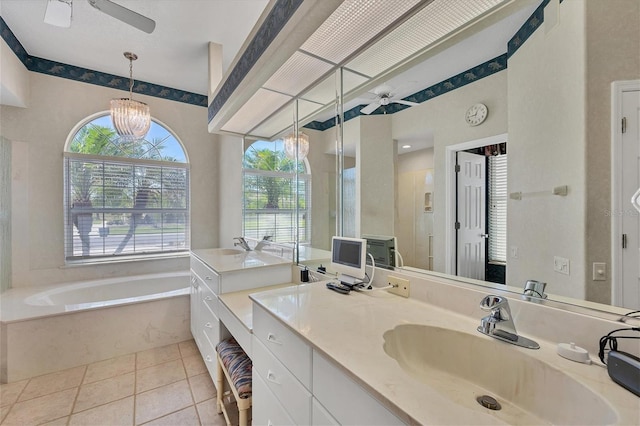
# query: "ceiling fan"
384,96
59,13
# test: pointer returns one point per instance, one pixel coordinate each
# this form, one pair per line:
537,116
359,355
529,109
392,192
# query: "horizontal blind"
117,208
269,205
498,208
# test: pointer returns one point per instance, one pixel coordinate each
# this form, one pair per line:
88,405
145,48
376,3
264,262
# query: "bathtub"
51,328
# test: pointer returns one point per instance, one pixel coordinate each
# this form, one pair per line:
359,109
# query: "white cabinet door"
266,409
320,416
346,400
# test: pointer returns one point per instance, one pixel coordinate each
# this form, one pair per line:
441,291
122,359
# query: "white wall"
38,134
444,117
14,78
547,131
5,214
231,151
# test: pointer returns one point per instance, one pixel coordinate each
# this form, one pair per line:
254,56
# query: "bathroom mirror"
552,108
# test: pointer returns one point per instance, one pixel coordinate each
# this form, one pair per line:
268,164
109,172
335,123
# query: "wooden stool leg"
243,414
220,385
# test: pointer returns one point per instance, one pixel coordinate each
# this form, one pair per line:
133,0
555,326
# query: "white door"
630,218
472,196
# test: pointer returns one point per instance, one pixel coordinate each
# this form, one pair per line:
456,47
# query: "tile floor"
162,386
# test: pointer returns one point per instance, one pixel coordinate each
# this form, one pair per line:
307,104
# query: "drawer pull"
193,280
272,378
208,358
269,423
208,325
208,278
208,299
273,339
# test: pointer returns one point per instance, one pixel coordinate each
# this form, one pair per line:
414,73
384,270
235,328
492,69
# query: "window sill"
128,259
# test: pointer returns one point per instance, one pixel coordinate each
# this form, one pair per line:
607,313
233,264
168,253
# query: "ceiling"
174,55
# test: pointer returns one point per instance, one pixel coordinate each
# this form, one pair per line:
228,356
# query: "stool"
234,365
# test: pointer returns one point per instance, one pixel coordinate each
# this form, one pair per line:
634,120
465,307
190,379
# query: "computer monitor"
383,250
348,258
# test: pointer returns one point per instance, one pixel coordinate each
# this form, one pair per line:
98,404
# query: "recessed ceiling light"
406,146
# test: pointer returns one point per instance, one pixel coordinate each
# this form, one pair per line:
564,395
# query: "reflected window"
124,197
271,193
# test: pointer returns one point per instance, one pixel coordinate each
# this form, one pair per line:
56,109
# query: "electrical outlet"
400,286
560,264
599,271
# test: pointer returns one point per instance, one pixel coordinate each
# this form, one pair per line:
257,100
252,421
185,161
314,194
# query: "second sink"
464,366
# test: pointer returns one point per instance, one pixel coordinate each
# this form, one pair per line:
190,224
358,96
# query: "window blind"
498,208
124,207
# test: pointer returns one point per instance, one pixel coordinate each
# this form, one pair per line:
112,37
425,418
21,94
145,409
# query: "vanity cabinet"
214,273
302,385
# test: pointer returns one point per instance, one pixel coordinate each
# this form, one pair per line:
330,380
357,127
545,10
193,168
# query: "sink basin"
463,366
228,251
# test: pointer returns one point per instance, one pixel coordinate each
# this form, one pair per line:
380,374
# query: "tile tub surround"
168,385
47,344
349,330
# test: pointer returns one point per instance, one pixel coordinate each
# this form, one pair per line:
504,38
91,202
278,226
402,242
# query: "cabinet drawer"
290,349
208,276
210,325
320,415
208,353
295,399
235,327
346,400
266,410
209,298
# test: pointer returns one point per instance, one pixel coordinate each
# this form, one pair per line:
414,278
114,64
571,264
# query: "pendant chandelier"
130,118
290,146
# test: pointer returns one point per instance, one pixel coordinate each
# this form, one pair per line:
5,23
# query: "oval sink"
228,251
529,390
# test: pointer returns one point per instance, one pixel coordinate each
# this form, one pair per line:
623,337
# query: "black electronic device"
624,369
340,288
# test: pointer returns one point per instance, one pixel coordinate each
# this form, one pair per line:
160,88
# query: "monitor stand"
350,281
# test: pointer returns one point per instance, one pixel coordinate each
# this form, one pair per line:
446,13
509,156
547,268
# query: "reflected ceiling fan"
59,13
385,95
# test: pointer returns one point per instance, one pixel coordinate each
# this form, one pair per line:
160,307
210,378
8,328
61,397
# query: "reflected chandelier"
130,118
290,146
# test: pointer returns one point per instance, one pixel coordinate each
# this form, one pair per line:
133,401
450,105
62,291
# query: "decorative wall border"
277,18
84,75
472,75
529,27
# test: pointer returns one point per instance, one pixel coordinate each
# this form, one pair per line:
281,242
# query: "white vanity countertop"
221,262
241,305
349,329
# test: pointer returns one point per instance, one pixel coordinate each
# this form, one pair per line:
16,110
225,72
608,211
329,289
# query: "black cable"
613,341
631,314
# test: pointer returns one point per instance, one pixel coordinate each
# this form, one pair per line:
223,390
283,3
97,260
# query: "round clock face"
476,114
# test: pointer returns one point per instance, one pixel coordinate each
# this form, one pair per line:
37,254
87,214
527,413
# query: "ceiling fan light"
290,146
58,13
131,119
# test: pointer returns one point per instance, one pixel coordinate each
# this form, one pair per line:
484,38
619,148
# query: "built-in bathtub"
50,328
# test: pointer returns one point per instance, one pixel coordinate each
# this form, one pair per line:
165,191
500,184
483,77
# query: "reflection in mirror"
547,89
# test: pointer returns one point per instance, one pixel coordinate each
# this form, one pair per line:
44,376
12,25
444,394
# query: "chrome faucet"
499,323
242,243
265,240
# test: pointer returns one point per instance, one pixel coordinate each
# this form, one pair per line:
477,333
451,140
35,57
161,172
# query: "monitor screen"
348,257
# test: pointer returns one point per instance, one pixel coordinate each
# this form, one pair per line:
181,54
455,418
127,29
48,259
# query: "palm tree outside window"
124,197
271,193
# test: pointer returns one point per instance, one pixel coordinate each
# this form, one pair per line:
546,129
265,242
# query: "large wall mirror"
522,103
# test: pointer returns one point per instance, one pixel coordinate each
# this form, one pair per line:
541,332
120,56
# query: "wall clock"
476,114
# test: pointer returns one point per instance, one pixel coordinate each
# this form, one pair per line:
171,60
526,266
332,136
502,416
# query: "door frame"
617,89
450,193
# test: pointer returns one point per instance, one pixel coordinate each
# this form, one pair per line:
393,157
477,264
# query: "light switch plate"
400,286
599,271
560,264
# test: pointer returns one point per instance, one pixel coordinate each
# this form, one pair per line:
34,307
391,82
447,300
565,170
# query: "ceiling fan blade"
125,15
400,101
370,108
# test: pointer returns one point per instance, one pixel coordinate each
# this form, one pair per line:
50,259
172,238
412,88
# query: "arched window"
271,192
124,197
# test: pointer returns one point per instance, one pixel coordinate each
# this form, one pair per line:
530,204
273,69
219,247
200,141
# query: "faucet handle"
491,302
